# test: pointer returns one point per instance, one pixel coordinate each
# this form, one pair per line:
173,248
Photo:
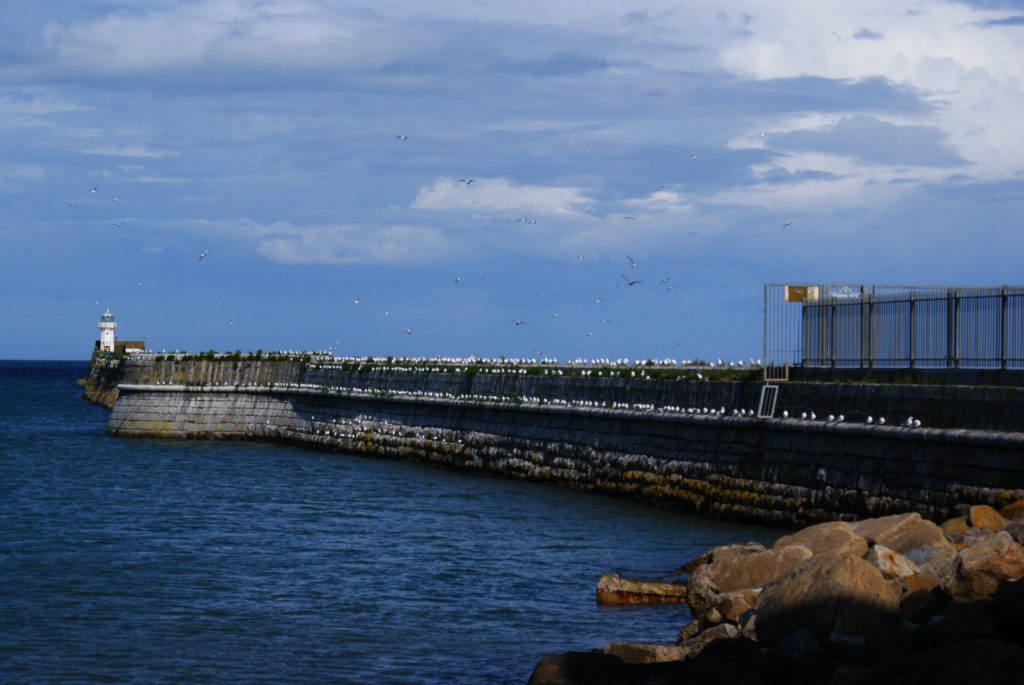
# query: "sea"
156,561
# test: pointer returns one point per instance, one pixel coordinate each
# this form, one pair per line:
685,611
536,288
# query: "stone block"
832,537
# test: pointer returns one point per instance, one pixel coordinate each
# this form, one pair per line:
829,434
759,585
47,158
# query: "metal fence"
896,327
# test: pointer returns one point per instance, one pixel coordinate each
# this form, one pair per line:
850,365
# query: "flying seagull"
467,181
203,254
787,224
632,262
94,189
629,218
519,322
402,137
629,282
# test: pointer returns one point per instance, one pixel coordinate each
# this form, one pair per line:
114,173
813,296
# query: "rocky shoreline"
896,599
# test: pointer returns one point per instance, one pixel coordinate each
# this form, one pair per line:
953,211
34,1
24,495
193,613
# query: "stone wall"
778,471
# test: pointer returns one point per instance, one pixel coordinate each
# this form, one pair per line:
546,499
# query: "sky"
580,179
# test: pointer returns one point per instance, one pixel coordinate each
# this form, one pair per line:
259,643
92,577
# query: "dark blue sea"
145,561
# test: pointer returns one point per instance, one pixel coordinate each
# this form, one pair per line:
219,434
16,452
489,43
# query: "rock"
832,537
977,570
955,528
1014,511
647,653
915,595
611,589
691,629
800,644
578,668
891,564
984,517
1015,529
733,569
921,541
732,605
973,661
828,594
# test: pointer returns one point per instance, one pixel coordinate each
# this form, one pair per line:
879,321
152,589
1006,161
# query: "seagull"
695,158
355,301
519,322
458,280
119,224
139,283
407,331
203,254
71,203
870,420
588,334
629,282
94,189
632,262
467,181
231,322
786,225
670,288
664,280
629,218
401,137
555,315
596,301
881,421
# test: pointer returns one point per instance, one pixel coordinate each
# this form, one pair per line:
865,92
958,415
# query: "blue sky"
683,136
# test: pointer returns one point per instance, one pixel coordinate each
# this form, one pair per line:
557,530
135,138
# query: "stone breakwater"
894,599
783,472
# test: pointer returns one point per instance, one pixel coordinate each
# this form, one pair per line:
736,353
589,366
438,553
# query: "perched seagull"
870,420
629,282
203,254
881,421
632,262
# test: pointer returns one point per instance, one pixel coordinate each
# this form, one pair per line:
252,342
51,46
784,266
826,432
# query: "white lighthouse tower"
107,326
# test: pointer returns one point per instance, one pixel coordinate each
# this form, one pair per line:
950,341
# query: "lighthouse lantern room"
107,326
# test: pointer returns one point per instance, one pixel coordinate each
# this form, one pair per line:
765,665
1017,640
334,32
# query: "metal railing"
913,327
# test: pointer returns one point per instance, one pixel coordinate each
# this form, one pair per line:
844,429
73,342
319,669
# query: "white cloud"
499,195
662,200
356,245
128,150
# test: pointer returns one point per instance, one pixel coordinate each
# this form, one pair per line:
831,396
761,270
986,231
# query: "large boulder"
977,570
832,537
1014,511
984,517
891,564
826,595
921,541
740,567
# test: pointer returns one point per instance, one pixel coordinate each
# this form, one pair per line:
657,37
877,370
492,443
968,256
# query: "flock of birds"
666,282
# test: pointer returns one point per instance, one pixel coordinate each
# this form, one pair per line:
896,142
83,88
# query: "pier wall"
778,471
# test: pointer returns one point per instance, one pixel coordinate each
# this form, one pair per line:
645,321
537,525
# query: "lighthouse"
107,326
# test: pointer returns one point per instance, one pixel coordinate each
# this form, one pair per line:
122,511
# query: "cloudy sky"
318,151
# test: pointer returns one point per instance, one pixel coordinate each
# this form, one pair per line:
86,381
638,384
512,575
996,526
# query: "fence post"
1004,306
832,332
912,332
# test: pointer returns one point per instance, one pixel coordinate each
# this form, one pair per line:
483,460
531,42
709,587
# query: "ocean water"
149,561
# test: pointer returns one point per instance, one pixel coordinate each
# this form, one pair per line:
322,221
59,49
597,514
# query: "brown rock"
611,589
920,541
954,528
891,564
828,594
984,517
1012,512
1016,530
978,570
579,668
732,605
915,595
739,567
832,537
647,653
